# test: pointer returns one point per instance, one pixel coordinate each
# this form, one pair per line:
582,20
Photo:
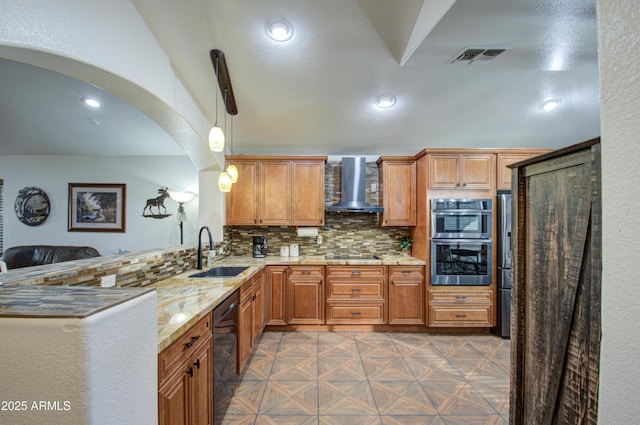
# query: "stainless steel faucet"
211,246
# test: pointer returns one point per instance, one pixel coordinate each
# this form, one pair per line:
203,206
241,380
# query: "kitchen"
219,238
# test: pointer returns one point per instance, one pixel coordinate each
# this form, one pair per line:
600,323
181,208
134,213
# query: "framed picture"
96,207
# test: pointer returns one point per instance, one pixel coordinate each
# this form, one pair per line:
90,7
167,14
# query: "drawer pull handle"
197,363
407,271
355,272
461,297
193,340
461,315
356,312
306,271
190,372
356,289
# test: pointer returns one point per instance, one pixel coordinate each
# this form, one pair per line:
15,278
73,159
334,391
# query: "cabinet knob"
457,184
190,372
461,315
464,184
355,272
306,272
356,289
356,312
461,297
197,363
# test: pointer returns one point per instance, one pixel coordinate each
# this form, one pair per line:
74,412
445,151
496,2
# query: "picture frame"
97,207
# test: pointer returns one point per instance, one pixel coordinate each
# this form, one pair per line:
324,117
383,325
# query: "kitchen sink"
222,271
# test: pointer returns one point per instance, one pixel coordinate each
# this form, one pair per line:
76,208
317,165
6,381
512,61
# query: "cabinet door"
245,328
202,385
406,295
242,200
275,193
399,193
504,159
477,171
443,171
173,399
306,302
258,311
276,281
308,193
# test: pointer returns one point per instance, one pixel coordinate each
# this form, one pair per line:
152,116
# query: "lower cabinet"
251,318
275,295
406,295
461,308
356,295
305,295
185,377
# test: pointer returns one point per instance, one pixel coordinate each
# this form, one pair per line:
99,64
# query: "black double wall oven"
461,242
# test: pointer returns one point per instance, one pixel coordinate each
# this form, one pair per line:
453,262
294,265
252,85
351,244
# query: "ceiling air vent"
476,55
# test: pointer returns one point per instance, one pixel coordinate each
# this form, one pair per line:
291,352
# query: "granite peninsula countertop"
182,300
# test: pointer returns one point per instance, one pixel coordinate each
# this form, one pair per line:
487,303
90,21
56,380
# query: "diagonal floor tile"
294,369
297,348
402,398
474,420
387,369
239,398
286,420
290,398
349,420
346,398
412,420
341,369
457,398
234,419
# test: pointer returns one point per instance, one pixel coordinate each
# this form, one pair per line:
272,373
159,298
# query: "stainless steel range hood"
352,199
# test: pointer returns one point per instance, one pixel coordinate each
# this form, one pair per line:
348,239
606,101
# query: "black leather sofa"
37,255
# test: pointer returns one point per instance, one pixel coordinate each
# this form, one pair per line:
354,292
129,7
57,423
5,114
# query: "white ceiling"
315,93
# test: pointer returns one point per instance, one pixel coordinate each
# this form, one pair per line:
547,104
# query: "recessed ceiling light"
551,104
279,30
385,101
91,102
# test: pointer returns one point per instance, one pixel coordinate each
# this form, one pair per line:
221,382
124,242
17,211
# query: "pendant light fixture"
216,135
224,180
232,170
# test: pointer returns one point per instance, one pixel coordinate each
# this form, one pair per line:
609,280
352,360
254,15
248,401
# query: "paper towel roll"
310,232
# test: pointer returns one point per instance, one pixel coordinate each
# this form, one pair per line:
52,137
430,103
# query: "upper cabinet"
506,158
277,191
461,171
398,185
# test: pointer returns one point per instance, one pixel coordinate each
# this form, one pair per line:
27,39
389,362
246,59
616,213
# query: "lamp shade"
224,182
216,139
232,170
180,196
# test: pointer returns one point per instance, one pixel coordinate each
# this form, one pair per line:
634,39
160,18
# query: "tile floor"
365,378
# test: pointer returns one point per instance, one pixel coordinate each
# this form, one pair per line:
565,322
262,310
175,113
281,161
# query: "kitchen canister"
284,251
294,250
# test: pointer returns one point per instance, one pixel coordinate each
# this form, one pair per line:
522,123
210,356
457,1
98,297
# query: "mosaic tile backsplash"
353,233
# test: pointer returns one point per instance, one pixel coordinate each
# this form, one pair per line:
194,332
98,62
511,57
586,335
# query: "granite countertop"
62,301
182,300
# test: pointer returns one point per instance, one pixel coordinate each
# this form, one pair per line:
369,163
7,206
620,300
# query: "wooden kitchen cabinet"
503,175
305,295
308,193
462,307
398,185
406,295
461,171
276,295
251,318
355,295
277,191
185,378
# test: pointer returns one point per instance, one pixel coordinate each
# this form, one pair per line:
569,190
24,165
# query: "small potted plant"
405,244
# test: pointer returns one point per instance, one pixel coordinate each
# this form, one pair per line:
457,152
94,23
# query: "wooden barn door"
556,294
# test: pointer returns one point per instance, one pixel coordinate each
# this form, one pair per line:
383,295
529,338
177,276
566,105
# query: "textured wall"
620,99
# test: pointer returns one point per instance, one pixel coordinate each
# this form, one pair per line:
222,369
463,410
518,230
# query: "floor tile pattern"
365,378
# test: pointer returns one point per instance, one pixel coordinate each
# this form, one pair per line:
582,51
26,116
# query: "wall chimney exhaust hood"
352,199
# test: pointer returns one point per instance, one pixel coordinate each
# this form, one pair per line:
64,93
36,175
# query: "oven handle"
479,240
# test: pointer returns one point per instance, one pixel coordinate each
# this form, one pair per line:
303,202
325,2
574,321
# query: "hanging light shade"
224,182
216,139
232,170
216,135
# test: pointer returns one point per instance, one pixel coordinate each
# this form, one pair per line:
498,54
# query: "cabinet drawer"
473,316
454,297
356,289
409,272
355,314
306,272
184,346
355,272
